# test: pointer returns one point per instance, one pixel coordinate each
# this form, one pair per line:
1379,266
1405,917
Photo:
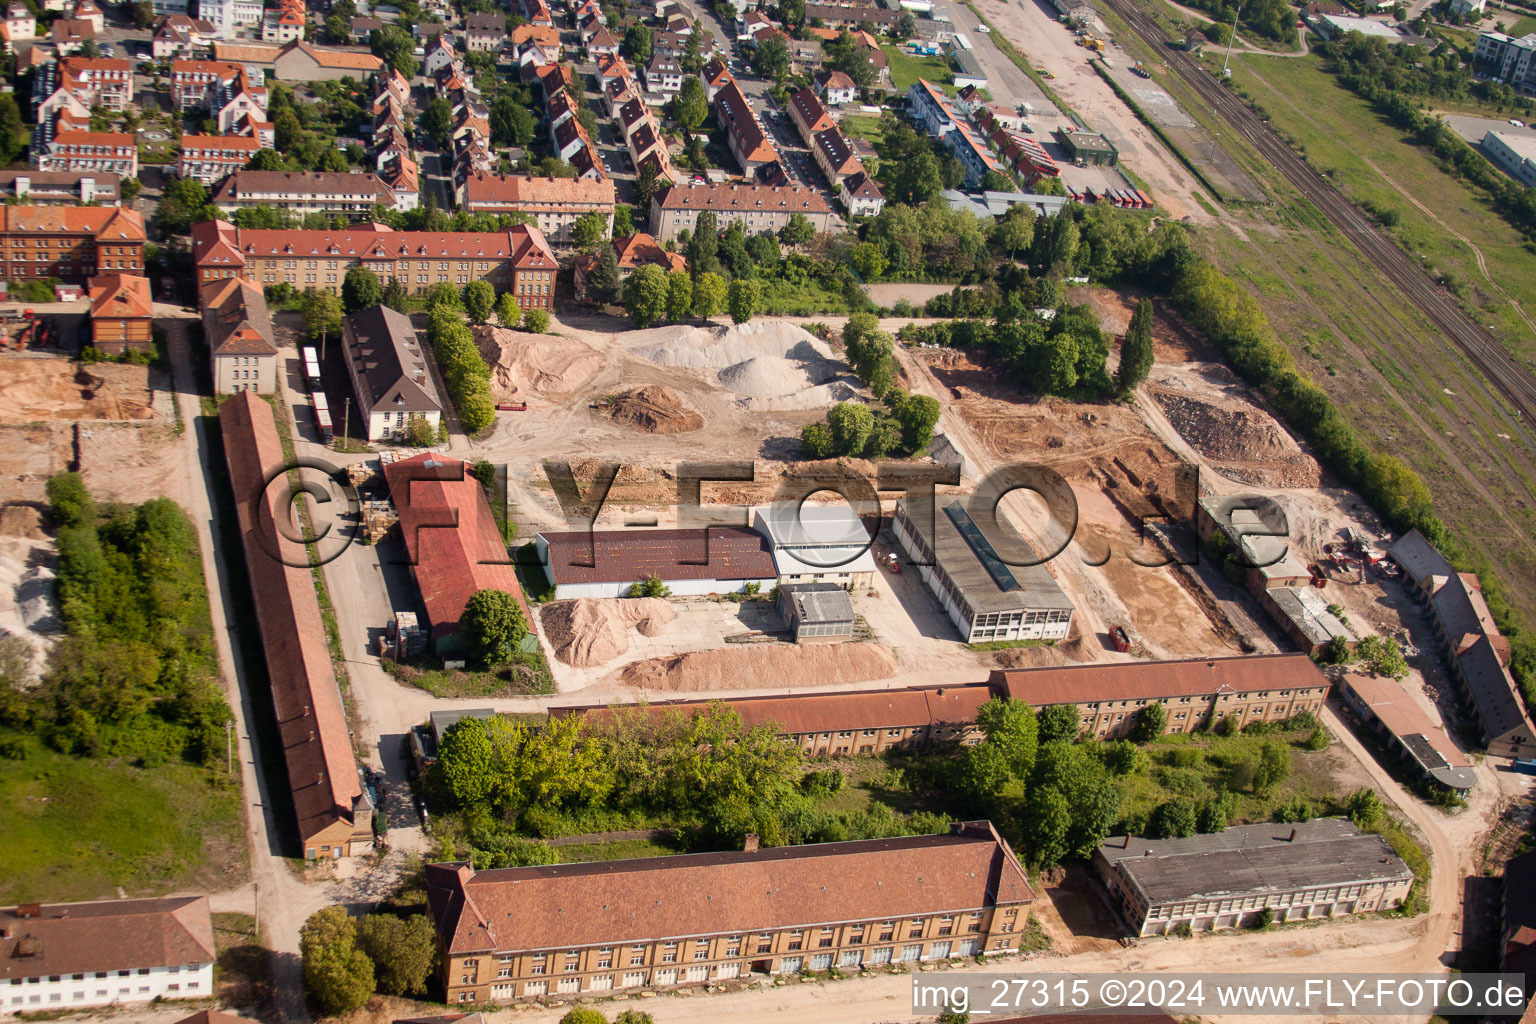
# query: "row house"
208,158
553,203
749,143
536,12
518,260
471,156
871,19
73,150
91,81
835,157
611,68
670,44
762,209
353,194
538,43
585,9
630,926
178,33
602,43
931,109
973,153
440,54
401,175
808,115
72,243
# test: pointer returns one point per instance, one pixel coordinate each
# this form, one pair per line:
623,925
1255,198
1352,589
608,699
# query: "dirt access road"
1035,31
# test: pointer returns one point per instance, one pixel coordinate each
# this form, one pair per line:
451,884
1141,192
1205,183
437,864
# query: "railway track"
1512,380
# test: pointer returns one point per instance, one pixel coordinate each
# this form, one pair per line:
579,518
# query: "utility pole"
344,417
229,743
1230,40
322,345
256,917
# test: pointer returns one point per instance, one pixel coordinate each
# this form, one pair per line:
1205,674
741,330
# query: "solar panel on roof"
1001,575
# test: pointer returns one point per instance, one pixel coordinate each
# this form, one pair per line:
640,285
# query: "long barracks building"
1108,698
654,923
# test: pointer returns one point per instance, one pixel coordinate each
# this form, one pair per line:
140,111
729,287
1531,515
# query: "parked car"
1517,124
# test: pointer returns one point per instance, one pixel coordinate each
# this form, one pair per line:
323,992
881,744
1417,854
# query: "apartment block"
72,243
209,158
554,203
355,194
762,208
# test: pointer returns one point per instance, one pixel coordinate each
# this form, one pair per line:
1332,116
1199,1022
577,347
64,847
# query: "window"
702,952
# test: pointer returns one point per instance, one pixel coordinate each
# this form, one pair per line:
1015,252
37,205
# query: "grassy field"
857,126
78,829
585,853
530,674
907,69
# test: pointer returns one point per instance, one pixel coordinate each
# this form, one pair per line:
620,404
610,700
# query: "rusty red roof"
733,553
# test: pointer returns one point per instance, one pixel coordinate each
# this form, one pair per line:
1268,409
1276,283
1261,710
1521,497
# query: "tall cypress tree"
1136,349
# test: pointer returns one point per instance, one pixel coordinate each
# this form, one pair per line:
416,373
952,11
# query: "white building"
817,543
1505,57
63,956
229,17
1515,153
389,373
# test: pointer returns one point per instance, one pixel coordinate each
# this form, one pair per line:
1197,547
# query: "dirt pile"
768,365
527,366
28,596
22,521
760,666
41,388
1241,440
655,409
589,631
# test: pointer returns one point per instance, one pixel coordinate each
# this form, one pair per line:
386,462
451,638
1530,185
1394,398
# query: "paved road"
1007,84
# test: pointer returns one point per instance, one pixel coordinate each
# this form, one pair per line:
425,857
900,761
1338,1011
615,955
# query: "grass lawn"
242,975
907,69
1524,25
858,126
623,849
529,674
77,829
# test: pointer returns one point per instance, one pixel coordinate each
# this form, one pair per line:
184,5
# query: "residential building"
749,143
716,76
835,157
440,54
805,56
69,150
69,35
357,194
1477,653
193,81
284,23
817,544
835,88
485,32
816,613
872,19
360,29
121,314
632,252
554,203
1468,7
63,956
298,61
1312,869
929,106
663,76
973,153
71,243
238,330
860,195
452,542
331,808
809,116
20,24
1515,153
208,158
526,39
1193,694
229,17
1383,706
519,260
94,81
645,924
986,598
388,372
178,33
1517,946
762,208
606,563
60,188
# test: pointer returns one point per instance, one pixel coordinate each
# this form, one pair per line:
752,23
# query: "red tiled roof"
734,553
322,772
535,191
810,115
112,935
104,222
524,244
728,198
121,296
1401,717
565,906
1140,680
640,249
451,538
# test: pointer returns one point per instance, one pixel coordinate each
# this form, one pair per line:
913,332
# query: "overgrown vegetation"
463,368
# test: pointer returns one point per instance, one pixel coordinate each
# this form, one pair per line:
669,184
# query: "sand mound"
655,409
535,365
754,666
1241,440
764,360
28,599
590,631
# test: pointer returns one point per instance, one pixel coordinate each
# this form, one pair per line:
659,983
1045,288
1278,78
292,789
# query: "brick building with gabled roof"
605,563
632,252
388,372
453,544
238,329
109,952
749,142
72,243
554,203
356,193
567,929
122,311
332,811
761,208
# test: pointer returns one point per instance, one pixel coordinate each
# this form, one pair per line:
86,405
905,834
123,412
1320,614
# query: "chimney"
749,843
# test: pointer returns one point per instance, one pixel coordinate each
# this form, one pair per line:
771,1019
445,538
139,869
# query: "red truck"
512,406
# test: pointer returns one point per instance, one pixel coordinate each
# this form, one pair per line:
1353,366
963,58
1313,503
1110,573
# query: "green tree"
338,975
493,627
1383,656
637,43
623,220
446,295
918,180
1059,722
708,295
11,129
816,441
850,425
742,298
395,295
419,432
360,290
1047,819
403,951
603,278
1273,767
536,321
1211,817
1366,810
679,296
69,501
868,259
791,12
479,300
583,1015
511,122
143,14
267,160
1150,723
1136,349
184,201
473,761
507,312
691,105
1014,232
1172,819
589,230
650,585
917,415
1056,246
645,296
771,58
1010,727
286,130
393,45
638,1016
703,245
797,231
322,314
437,120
